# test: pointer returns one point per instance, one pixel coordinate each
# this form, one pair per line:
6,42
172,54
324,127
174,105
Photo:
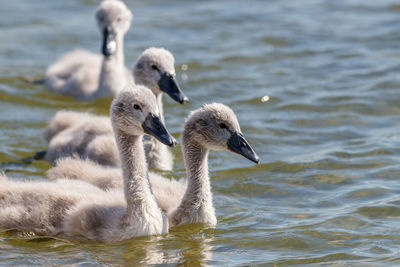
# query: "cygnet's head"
113,19
134,112
216,127
155,69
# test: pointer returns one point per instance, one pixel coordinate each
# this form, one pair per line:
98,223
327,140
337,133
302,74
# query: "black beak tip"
238,144
254,158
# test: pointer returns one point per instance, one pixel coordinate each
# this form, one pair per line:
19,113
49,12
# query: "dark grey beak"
109,44
237,144
154,127
169,85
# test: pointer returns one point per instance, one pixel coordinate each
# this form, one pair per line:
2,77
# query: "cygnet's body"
168,192
213,126
154,69
85,75
75,207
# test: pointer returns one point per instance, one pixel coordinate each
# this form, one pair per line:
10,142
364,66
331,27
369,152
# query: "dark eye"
136,106
154,67
119,19
222,125
101,18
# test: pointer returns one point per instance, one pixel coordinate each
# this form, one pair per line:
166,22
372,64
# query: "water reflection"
194,246
189,245
144,252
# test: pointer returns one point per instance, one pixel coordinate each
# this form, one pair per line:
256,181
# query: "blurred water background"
315,85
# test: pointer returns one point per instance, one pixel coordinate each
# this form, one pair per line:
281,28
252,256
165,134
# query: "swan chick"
155,69
212,127
85,75
75,207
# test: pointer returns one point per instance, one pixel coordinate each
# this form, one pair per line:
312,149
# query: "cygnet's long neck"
198,190
196,205
140,200
113,74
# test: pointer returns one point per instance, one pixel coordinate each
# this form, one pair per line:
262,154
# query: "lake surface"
316,88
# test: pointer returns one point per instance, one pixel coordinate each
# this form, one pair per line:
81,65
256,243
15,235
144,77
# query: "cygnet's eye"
222,125
101,18
119,19
154,67
136,106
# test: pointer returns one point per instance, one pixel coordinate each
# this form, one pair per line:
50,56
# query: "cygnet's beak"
237,144
153,126
109,45
169,85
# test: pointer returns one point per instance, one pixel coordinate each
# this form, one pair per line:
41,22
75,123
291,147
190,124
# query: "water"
327,191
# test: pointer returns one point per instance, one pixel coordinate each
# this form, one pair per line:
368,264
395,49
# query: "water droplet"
184,76
184,67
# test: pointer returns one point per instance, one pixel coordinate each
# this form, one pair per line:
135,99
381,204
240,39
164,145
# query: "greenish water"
327,192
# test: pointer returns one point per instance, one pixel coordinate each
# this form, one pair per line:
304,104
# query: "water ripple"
315,87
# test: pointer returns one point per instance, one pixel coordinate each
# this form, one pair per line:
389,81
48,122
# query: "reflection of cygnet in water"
190,247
